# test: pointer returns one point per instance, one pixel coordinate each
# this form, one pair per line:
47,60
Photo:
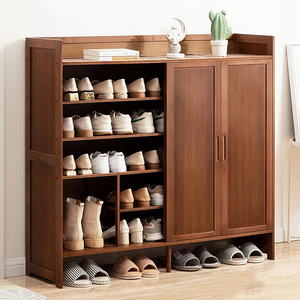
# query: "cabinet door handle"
217,148
224,147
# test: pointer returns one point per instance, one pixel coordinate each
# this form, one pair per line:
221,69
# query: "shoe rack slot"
129,72
144,144
107,107
135,182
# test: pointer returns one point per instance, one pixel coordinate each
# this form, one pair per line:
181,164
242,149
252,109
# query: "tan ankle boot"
73,235
91,223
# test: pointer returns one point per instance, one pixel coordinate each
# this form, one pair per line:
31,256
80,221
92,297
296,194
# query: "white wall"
35,18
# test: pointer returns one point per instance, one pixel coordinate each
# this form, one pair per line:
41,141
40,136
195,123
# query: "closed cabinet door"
246,146
192,159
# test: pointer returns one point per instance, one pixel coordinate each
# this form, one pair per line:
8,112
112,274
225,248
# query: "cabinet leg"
168,258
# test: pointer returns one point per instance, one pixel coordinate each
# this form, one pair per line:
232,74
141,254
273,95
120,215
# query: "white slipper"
97,275
74,275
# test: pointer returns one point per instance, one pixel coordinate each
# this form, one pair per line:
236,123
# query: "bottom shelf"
109,248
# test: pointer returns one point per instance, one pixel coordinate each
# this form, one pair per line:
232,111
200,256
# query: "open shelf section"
113,136
112,248
136,208
111,100
113,174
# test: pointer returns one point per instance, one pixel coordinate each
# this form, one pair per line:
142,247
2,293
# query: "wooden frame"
46,60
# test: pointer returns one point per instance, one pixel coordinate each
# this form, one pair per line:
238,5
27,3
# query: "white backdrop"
33,18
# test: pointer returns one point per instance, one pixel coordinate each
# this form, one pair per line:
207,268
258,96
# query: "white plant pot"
219,48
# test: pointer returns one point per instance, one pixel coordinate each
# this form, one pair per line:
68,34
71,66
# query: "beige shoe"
151,159
83,126
70,90
85,89
104,89
137,89
68,128
73,235
124,233
136,231
120,89
69,165
135,161
91,225
141,197
83,165
153,87
126,199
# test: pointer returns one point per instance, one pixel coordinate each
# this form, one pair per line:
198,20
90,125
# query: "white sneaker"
121,123
68,128
116,162
101,123
99,163
83,126
142,122
158,119
156,193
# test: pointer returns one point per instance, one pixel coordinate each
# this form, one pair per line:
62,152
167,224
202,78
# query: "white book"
109,58
110,52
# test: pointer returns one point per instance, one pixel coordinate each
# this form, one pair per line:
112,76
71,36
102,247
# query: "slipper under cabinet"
218,144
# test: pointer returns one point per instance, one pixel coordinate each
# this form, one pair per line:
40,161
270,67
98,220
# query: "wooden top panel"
157,45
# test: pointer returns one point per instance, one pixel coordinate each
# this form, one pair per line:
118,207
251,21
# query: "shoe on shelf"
104,89
156,193
91,225
99,163
158,119
83,165
152,229
153,87
120,89
151,159
116,162
121,123
70,90
142,122
73,234
68,128
69,166
83,126
141,197
137,89
135,161
85,89
136,231
126,198
124,233
101,123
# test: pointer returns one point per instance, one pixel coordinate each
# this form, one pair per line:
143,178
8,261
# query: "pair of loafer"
75,89
82,164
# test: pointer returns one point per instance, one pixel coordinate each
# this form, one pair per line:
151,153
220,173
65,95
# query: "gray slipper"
231,255
184,260
74,275
252,253
207,260
97,275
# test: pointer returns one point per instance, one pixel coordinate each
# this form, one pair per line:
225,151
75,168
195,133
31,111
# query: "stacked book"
110,54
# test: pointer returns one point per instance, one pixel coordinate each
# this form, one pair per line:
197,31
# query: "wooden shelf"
111,100
113,174
112,137
135,208
109,248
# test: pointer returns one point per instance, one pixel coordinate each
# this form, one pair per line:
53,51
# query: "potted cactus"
220,32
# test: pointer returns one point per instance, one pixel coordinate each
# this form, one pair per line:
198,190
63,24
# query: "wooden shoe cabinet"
218,170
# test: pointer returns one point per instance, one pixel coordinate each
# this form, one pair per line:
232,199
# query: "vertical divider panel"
117,210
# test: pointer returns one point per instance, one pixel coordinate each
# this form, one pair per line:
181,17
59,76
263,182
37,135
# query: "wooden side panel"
42,215
193,201
43,159
245,142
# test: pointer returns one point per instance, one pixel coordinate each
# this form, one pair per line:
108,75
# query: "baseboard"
14,267
281,234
